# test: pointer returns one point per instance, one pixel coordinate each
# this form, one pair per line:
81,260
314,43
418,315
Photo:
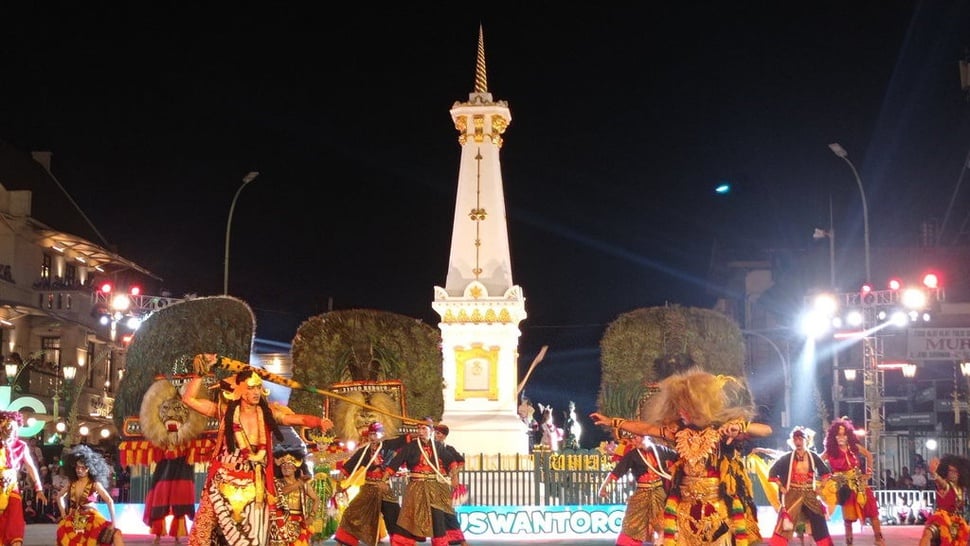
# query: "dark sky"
623,121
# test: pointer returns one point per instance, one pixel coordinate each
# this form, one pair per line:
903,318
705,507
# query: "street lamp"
225,273
838,150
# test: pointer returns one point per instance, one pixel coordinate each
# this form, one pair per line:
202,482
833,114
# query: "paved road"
44,535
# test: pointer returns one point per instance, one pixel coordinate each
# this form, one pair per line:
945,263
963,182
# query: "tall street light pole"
830,235
786,417
225,273
838,150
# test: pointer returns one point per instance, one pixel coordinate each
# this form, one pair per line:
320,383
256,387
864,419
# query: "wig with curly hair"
700,399
165,420
832,444
960,463
98,468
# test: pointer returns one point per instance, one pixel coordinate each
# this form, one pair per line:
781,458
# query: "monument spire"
479,305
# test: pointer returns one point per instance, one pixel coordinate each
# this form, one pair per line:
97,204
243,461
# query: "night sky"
623,122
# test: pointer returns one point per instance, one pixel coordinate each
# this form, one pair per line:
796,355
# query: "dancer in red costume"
946,526
14,456
81,523
425,505
239,490
844,455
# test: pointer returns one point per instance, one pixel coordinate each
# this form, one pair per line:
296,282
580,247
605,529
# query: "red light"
106,288
127,338
894,284
135,290
931,280
866,289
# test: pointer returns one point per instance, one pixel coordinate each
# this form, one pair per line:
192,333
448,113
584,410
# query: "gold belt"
649,485
422,476
700,489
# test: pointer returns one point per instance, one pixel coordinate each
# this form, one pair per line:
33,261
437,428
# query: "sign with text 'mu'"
938,344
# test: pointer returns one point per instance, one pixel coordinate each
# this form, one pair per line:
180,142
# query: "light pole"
830,235
785,369
225,273
838,150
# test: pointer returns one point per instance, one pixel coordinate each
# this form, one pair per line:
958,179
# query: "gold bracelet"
617,421
744,426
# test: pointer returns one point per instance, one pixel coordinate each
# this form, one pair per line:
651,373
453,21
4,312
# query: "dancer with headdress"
795,473
374,509
239,487
296,500
650,464
424,506
15,456
845,455
706,417
946,526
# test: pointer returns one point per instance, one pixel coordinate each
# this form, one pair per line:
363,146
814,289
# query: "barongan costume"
706,417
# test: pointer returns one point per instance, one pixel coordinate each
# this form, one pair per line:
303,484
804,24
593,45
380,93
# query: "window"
45,267
110,373
51,347
91,361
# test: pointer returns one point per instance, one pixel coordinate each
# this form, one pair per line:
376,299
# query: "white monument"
480,306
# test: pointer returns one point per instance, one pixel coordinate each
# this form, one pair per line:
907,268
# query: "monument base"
491,433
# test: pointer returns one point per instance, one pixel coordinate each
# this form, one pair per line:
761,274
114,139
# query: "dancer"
81,524
374,509
947,526
795,473
650,465
707,417
15,455
239,486
454,489
296,500
425,505
844,455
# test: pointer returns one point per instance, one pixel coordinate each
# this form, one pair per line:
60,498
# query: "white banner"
938,344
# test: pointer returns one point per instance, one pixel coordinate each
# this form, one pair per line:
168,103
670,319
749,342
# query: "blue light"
722,188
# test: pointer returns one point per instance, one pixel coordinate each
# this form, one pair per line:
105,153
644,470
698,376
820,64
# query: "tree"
171,336
644,346
368,345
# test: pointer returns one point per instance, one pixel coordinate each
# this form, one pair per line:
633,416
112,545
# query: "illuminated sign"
8,403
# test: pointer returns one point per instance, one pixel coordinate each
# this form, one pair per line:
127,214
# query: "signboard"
938,343
926,418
